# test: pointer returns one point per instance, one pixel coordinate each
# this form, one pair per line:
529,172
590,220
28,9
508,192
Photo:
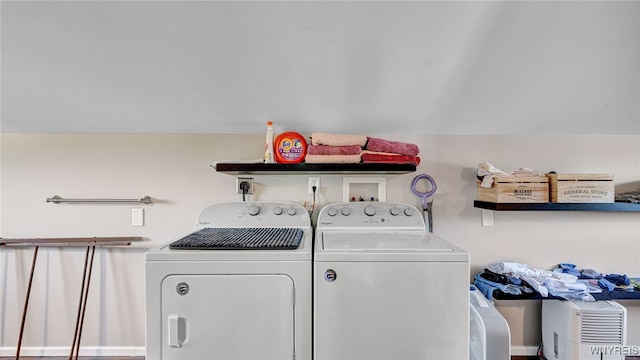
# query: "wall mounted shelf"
488,208
280,169
609,207
604,295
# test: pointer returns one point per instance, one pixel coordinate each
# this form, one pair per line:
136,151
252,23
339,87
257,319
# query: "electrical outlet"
240,182
314,181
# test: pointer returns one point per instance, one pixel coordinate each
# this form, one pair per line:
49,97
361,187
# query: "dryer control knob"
394,211
332,212
346,211
369,210
291,211
408,211
254,210
277,210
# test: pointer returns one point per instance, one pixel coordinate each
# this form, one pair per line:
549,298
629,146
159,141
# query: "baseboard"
65,350
140,351
524,350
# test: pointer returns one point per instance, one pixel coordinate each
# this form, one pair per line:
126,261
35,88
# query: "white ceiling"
430,67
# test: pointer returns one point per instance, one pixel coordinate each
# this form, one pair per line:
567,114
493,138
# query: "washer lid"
385,246
383,241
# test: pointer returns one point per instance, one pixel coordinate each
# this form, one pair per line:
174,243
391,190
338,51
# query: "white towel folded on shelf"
488,172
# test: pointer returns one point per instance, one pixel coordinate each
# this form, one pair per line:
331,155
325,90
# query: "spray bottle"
268,152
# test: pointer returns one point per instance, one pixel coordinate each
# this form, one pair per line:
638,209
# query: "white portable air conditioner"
489,335
581,330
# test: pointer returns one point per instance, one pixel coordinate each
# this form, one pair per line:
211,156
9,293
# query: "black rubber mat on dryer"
240,239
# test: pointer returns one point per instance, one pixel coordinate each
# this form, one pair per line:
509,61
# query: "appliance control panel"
254,214
370,214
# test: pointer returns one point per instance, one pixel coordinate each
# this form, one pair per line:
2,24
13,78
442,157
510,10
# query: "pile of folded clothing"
521,280
630,197
610,282
511,280
352,149
511,287
335,149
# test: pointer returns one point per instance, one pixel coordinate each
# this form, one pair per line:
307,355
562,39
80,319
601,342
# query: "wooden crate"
516,189
581,188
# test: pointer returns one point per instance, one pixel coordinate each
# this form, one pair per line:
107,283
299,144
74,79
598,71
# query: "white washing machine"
385,288
239,287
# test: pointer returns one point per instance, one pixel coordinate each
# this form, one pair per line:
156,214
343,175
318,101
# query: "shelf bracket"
487,217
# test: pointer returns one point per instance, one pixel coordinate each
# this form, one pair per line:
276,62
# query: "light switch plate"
137,217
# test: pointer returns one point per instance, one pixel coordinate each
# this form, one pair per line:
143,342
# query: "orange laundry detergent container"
290,148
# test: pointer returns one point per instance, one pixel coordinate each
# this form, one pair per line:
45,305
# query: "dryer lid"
388,241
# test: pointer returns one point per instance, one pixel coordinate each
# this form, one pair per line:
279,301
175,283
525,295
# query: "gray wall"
124,99
433,67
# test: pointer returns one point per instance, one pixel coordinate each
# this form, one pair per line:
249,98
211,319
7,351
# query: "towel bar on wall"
69,241
57,199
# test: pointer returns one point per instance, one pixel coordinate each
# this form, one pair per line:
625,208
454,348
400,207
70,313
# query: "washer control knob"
408,211
291,211
254,210
369,210
394,211
332,212
346,211
277,210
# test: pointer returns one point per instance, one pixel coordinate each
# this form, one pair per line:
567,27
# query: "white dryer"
385,288
239,287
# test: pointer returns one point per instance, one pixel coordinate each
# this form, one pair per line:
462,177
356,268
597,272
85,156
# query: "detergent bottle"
268,152
290,148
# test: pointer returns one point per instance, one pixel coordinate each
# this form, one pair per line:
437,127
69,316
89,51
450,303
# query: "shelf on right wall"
610,207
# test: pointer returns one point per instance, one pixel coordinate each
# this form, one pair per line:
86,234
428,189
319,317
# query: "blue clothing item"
590,274
514,280
487,290
618,279
569,269
606,284
505,288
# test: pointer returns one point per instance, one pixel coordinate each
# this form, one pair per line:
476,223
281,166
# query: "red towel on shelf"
388,146
369,158
333,150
